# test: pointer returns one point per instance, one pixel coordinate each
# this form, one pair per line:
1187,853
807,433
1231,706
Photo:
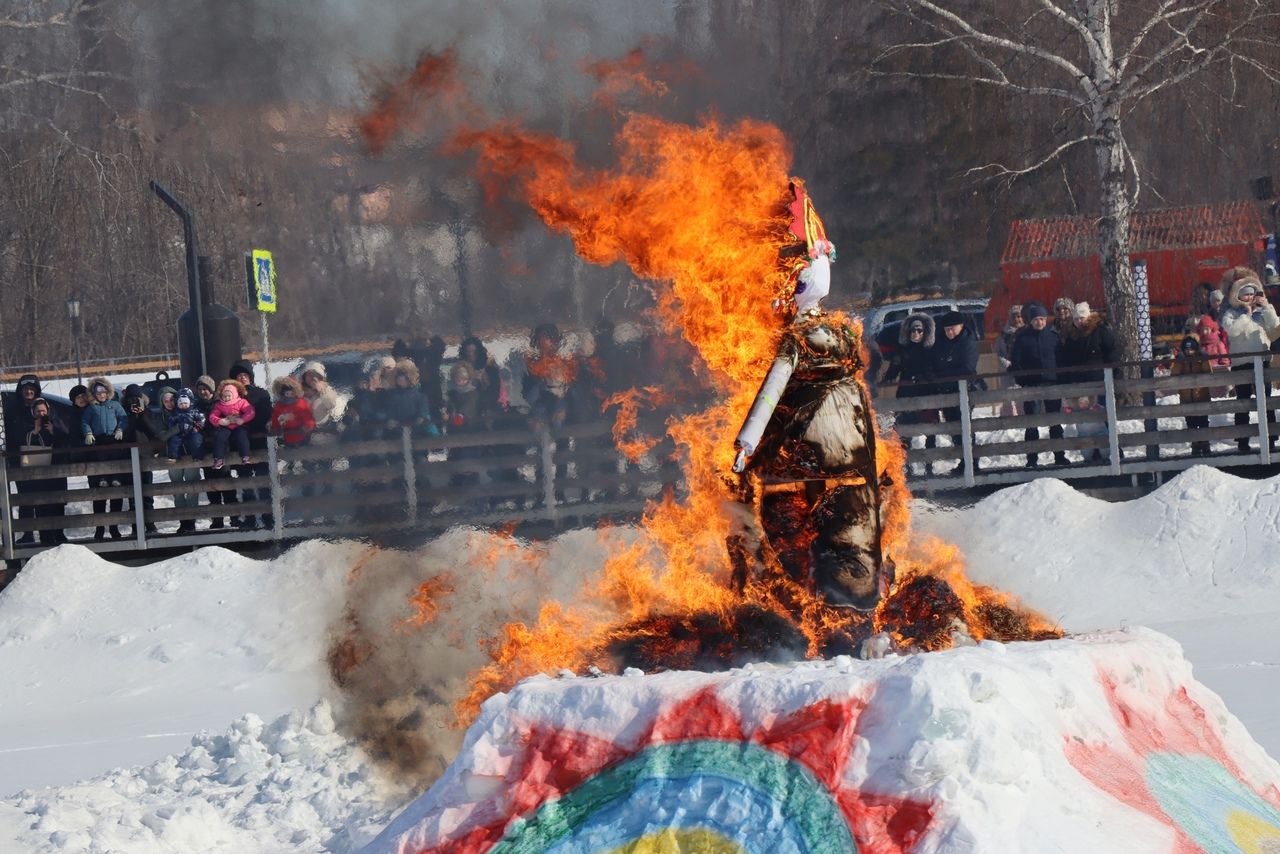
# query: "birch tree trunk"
1113,235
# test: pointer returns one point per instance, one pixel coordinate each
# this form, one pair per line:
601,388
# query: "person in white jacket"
1251,324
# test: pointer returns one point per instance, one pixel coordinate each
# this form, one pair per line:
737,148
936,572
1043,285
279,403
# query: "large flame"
702,209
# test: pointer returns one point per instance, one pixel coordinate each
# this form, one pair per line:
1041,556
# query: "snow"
132,717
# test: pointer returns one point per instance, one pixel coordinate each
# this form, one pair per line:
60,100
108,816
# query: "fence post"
966,438
1260,395
6,525
277,497
410,475
139,523
548,469
1113,424
1150,425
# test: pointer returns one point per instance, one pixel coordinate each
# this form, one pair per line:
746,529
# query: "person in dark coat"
260,400
1035,351
31,421
1087,340
911,366
955,356
149,430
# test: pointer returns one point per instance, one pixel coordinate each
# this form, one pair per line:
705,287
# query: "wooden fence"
423,484
1114,427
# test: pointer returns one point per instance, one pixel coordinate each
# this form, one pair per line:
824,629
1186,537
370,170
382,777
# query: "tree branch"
1005,172
60,19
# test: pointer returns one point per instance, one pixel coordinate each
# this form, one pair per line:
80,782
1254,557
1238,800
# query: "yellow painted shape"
673,841
1254,835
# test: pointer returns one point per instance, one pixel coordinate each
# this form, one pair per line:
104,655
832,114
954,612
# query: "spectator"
464,408
147,429
429,358
291,416
549,380
405,404
1192,360
364,415
1213,342
1215,304
231,417
1087,340
911,366
1035,351
1064,315
955,356
485,374
79,396
325,402
220,494
1005,341
39,426
1250,324
260,400
185,429
1200,299
103,423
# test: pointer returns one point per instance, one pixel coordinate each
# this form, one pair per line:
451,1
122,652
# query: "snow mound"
1098,743
295,784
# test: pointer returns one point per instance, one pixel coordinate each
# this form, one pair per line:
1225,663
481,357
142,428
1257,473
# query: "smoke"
417,623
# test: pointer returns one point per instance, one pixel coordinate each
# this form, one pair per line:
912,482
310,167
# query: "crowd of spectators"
214,432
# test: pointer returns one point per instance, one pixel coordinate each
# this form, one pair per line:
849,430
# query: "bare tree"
1099,59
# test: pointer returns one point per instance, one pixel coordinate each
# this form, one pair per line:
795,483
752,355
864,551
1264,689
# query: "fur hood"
1083,328
904,337
102,381
239,387
409,369
278,387
1236,278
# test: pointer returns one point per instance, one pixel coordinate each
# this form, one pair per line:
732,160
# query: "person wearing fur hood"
104,419
1249,321
1251,324
230,416
405,404
291,417
911,364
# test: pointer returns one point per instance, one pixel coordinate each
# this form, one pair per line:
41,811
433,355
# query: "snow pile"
1100,743
294,785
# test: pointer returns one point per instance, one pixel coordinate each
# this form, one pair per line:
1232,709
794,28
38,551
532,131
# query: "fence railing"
1115,425
331,487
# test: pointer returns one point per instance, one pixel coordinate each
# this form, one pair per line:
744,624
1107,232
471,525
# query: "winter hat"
1215,296
241,368
1247,289
1083,310
1193,340
1032,310
101,387
236,384
29,380
1063,302
208,382
316,368
132,390
78,390
186,396
951,318
387,363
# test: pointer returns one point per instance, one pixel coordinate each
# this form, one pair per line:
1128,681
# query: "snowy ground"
180,672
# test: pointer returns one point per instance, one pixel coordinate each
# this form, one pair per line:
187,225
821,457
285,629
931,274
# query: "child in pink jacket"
230,415
1213,342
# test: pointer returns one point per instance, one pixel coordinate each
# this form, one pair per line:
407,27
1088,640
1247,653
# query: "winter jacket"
912,364
1184,365
1087,342
407,407
1248,331
1213,341
1035,350
292,421
326,404
239,407
147,425
53,432
103,419
955,357
183,422
259,399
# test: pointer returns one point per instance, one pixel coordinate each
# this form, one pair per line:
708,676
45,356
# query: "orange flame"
702,209
397,102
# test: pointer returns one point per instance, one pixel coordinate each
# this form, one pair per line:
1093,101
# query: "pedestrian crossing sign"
260,273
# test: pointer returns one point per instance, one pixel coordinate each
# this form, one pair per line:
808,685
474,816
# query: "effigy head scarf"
805,261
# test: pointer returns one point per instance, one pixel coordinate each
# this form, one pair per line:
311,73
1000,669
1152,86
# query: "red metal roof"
1193,227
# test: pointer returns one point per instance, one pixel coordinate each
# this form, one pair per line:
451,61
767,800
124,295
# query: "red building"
1048,258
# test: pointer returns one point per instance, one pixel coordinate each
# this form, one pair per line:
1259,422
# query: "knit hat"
1215,296
1063,302
316,368
132,390
186,396
1032,310
1247,289
951,318
1083,310
1193,340
76,391
241,368
208,382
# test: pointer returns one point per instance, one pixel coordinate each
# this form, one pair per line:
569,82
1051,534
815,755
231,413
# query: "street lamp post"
73,315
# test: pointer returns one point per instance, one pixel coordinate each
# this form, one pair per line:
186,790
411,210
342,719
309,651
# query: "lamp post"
73,315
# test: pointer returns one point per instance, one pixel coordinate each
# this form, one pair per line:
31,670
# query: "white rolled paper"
766,401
